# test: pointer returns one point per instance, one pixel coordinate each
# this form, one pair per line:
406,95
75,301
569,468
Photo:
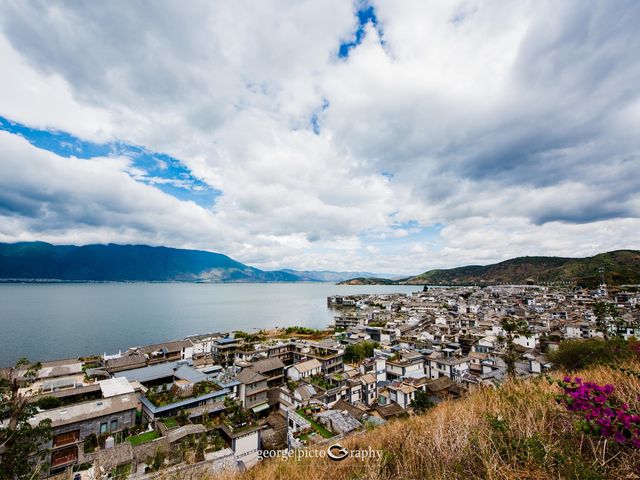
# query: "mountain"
619,267
515,270
331,276
43,261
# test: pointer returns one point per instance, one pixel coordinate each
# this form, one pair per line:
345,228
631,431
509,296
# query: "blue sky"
364,136
365,14
158,169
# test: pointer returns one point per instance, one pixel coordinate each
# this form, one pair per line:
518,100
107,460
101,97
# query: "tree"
421,402
602,311
606,316
358,352
513,328
20,442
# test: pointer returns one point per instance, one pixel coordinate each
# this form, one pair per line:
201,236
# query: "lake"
50,321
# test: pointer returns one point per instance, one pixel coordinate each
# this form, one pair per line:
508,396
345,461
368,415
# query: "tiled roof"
249,375
267,365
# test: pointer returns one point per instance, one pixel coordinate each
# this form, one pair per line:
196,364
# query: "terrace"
162,397
166,403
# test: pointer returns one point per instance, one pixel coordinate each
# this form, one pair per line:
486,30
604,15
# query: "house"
377,366
403,363
57,376
442,389
126,362
253,389
369,389
389,411
283,351
203,344
301,396
245,443
338,421
527,341
163,373
440,365
272,368
329,355
399,392
166,352
487,344
304,369
72,424
538,363
223,349
475,361
175,386
185,396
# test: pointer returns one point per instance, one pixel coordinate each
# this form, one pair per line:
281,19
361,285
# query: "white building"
304,369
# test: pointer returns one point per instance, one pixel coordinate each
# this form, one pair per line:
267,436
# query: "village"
219,401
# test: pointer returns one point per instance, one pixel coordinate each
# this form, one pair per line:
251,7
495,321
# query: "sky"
384,136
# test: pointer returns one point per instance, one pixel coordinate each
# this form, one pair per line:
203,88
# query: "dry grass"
517,431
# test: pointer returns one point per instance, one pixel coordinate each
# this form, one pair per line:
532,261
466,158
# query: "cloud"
336,134
43,195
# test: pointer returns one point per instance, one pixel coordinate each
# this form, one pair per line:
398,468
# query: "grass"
170,422
316,426
121,472
143,438
517,431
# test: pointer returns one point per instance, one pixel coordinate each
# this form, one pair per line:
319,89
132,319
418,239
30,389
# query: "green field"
143,438
316,426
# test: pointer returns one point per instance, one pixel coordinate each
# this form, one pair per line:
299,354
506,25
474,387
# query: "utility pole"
603,285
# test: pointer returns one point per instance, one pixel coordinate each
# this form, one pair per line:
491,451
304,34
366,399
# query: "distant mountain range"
40,261
331,276
619,267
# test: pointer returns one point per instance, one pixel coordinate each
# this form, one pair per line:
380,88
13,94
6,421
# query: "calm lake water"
49,321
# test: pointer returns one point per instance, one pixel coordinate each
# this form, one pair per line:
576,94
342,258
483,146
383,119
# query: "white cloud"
514,125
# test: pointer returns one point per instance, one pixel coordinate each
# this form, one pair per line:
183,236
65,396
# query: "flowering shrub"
601,413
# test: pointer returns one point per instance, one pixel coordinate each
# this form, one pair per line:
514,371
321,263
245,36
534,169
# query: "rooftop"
115,386
85,411
152,372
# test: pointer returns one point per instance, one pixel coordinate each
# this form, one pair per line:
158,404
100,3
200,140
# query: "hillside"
620,267
517,431
43,261
516,270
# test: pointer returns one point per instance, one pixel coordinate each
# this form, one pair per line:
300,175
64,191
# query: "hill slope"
39,260
620,267
517,431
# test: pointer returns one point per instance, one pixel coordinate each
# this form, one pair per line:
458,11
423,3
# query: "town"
216,402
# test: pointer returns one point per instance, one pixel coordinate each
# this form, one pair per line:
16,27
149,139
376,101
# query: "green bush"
47,403
358,352
579,354
301,331
90,443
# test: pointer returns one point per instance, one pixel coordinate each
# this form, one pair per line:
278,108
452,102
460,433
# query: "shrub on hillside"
578,354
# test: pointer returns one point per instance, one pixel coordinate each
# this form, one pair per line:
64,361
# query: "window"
103,427
66,438
64,456
114,425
